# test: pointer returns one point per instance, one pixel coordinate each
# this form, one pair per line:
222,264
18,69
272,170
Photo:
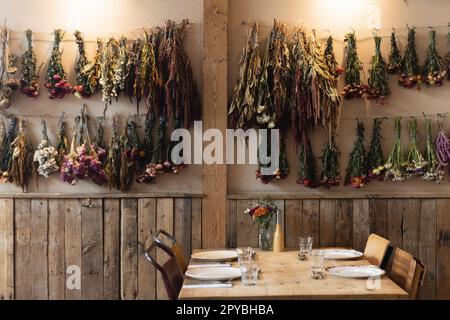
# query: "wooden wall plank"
196,224
344,223
427,241
23,264
327,223
72,240
111,249
361,223
378,216
6,249
164,220
247,229
411,226
311,220
146,272
443,250
293,222
231,224
92,250
182,223
39,249
56,255
395,222
128,249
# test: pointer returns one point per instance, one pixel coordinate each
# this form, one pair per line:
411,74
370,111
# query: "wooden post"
215,97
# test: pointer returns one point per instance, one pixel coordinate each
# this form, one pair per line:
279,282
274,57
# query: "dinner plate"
342,254
214,273
218,255
361,272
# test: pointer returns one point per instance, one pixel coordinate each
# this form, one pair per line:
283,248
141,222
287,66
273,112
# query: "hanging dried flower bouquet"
56,76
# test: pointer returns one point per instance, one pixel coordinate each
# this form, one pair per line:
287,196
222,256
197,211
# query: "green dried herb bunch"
375,158
353,86
147,171
120,69
82,89
113,161
7,151
244,102
22,155
8,81
92,70
378,79
330,59
61,142
395,58
108,62
30,71
132,71
330,163
307,167
410,76
148,72
415,160
357,163
433,70
433,171
396,164
56,76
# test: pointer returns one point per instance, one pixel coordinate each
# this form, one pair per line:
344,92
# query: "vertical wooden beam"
23,264
443,250
361,223
293,222
56,259
231,224
395,222
39,248
215,99
6,249
111,249
311,220
411,226
378,216
72,239
327,223
344,223
196,224
182,223
128,249
428,247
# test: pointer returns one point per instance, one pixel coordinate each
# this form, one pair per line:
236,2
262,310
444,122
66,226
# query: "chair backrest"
170,270
406,271
376,249
176,248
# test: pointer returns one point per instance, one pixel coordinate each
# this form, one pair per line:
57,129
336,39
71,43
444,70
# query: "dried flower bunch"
30,71
434,70
415,160
114,155
61,143
442,144
8,82
92,70
83,88
108,61
21,161
433,171
56,76
375,158
46,156
353,86
378,78
357,163
120,69
410,72
395,166
6,155
447,57
262,212
395,59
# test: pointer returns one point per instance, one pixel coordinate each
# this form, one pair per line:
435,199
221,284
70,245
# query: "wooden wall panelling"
92,250
111,249
395,222
344,223
427,247
311,220
327,223
146,272
293,222
182,223
23,264
56,252
164,220
6,249
411,226
72,242
231,224
128,249
361,223
378,216
215,100
443,250
196,224
247,229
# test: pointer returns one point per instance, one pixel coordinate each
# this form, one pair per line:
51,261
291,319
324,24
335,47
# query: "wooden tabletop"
283,276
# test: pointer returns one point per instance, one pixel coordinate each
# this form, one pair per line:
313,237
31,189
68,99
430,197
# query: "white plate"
342,254
360,272
219,255
215,273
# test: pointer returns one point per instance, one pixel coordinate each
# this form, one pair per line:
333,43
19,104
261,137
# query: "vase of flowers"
262,214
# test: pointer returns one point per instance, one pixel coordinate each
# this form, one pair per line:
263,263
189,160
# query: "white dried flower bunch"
45,157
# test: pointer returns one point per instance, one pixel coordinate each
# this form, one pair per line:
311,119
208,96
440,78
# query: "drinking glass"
317,269
244,255
305,246
249,274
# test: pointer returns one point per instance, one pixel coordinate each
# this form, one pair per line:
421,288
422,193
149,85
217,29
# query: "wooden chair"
170,270
176,248
406,271
376,249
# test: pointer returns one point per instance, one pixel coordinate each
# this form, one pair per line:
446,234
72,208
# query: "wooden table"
283,276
